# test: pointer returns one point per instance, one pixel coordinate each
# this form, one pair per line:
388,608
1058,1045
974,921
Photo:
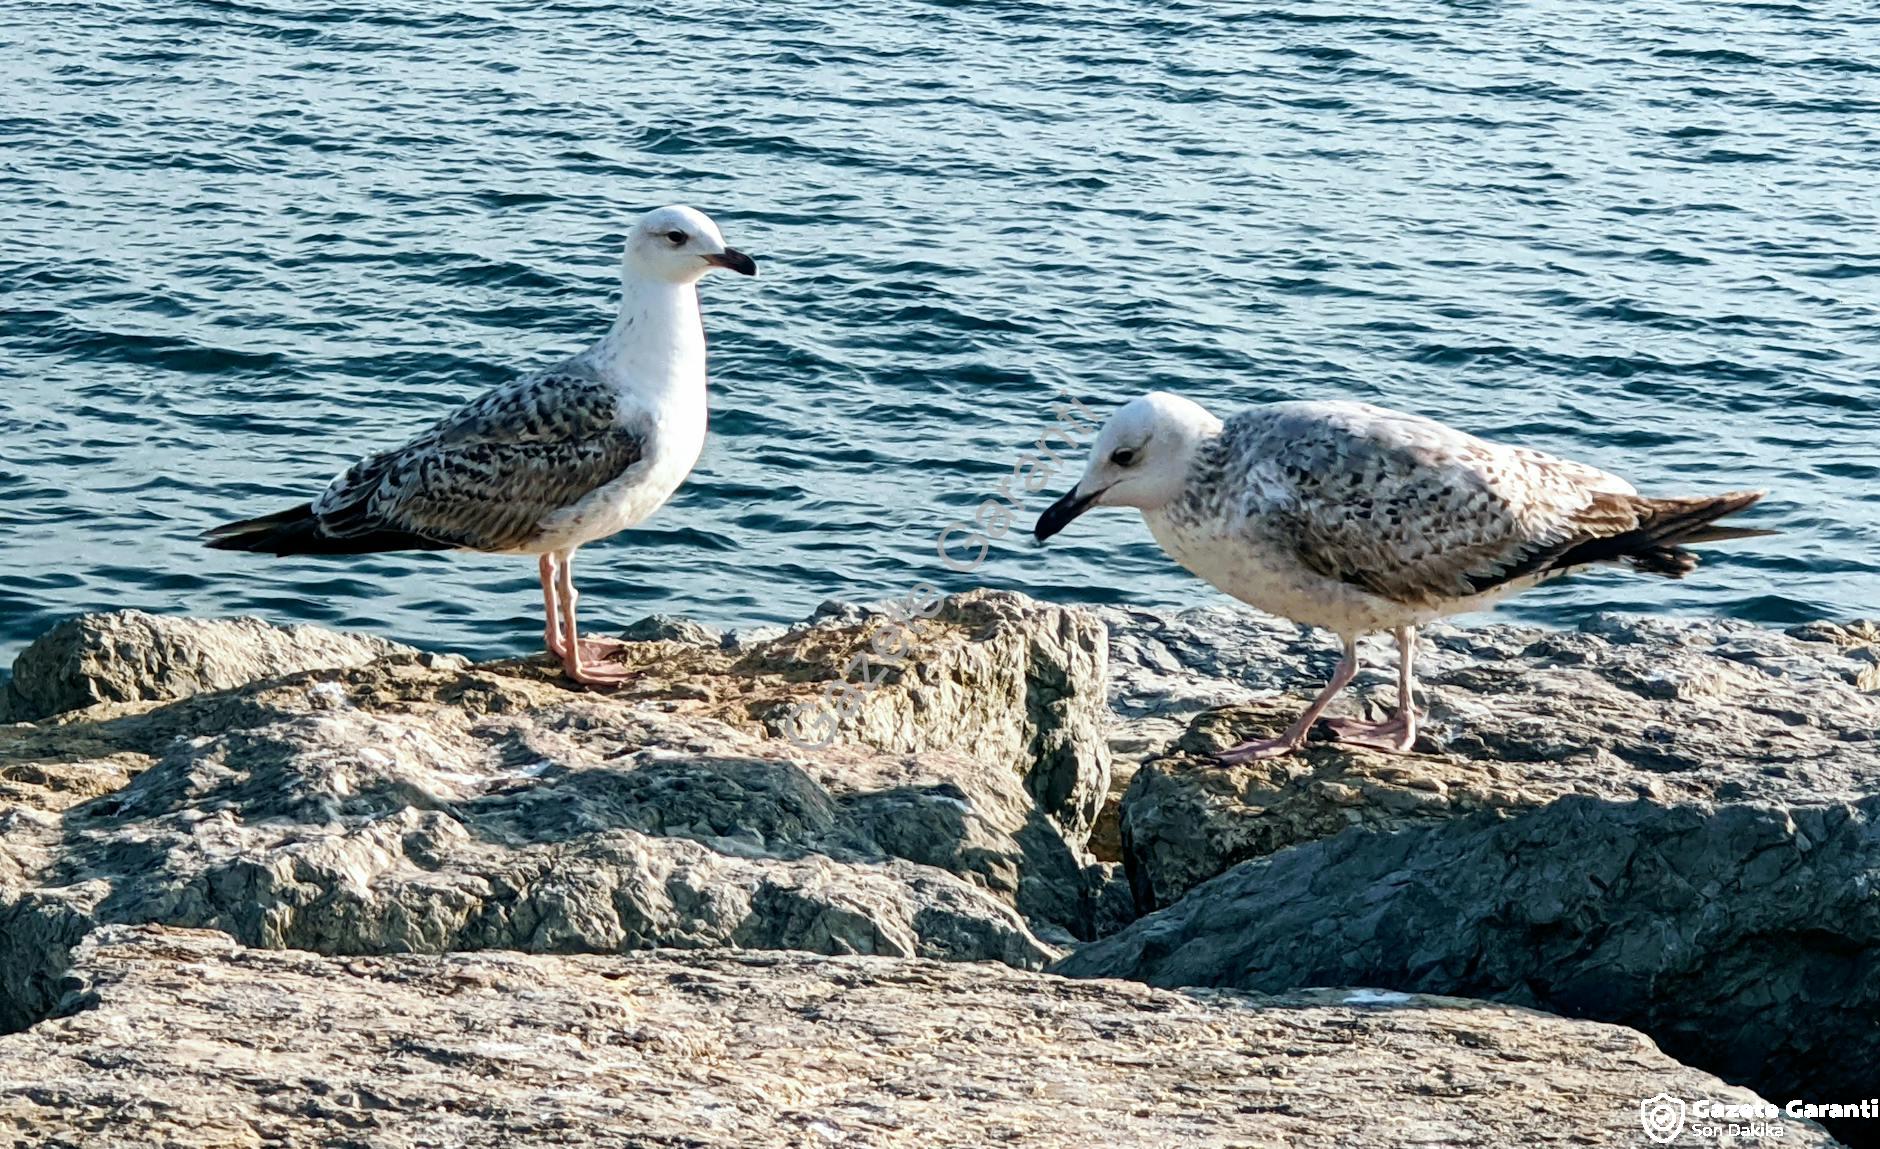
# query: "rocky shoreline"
279,886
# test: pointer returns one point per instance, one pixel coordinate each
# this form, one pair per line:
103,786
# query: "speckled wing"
1414,511
488,475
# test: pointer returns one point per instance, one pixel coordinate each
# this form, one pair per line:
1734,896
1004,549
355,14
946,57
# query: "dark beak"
1058,515
734,260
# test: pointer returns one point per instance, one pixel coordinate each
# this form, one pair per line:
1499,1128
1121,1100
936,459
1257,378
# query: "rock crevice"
405,803
187,1038
1662,825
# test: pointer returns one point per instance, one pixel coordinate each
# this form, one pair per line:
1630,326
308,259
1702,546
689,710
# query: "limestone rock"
1665,824
563,829
130,656
1743,938
183,1038
1660,823
1674,712
421,804
992,674
669,628
1861,638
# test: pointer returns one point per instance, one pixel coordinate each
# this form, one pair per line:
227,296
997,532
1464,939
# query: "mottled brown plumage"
550,462
1358,519
1427,516
488,477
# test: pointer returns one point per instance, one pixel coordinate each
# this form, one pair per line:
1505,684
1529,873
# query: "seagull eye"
1123,456
677,237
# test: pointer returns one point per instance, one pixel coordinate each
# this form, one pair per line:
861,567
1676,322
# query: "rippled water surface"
242,242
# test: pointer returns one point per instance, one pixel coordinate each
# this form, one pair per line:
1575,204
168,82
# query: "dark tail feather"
296,531
1724,535
260,534
1666,526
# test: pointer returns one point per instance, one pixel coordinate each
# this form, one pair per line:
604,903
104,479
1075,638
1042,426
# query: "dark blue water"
242,242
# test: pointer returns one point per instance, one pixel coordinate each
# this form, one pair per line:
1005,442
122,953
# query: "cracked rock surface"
1671,712
418,804
1666,824
185,1038
432,866
131,656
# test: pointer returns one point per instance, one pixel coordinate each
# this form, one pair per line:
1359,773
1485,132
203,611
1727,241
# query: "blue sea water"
241,243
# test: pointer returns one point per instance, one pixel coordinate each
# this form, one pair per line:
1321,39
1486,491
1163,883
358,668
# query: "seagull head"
679,244
1140,459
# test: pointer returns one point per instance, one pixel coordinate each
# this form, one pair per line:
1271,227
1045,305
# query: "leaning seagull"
554,459
1357,519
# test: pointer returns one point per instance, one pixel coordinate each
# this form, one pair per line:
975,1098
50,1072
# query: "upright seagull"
550,461
1358,519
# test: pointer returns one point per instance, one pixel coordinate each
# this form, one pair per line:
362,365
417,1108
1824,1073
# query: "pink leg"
551,634
583,660
1398,733
1295,734
592,649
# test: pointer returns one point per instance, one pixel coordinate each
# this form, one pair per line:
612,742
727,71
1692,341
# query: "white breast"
1266,578
676,440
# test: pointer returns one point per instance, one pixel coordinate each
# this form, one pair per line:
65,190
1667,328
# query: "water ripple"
246,240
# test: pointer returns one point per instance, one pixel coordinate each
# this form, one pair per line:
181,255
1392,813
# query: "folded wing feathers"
1421,513
484,478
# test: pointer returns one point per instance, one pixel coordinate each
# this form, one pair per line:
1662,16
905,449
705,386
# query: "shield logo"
1663,1117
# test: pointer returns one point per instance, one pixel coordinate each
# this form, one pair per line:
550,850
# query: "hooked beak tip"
731,259
1058,515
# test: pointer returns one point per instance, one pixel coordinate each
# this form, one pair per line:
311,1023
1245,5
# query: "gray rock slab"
130,656
418,804
1743,938
1675,712
182,1038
